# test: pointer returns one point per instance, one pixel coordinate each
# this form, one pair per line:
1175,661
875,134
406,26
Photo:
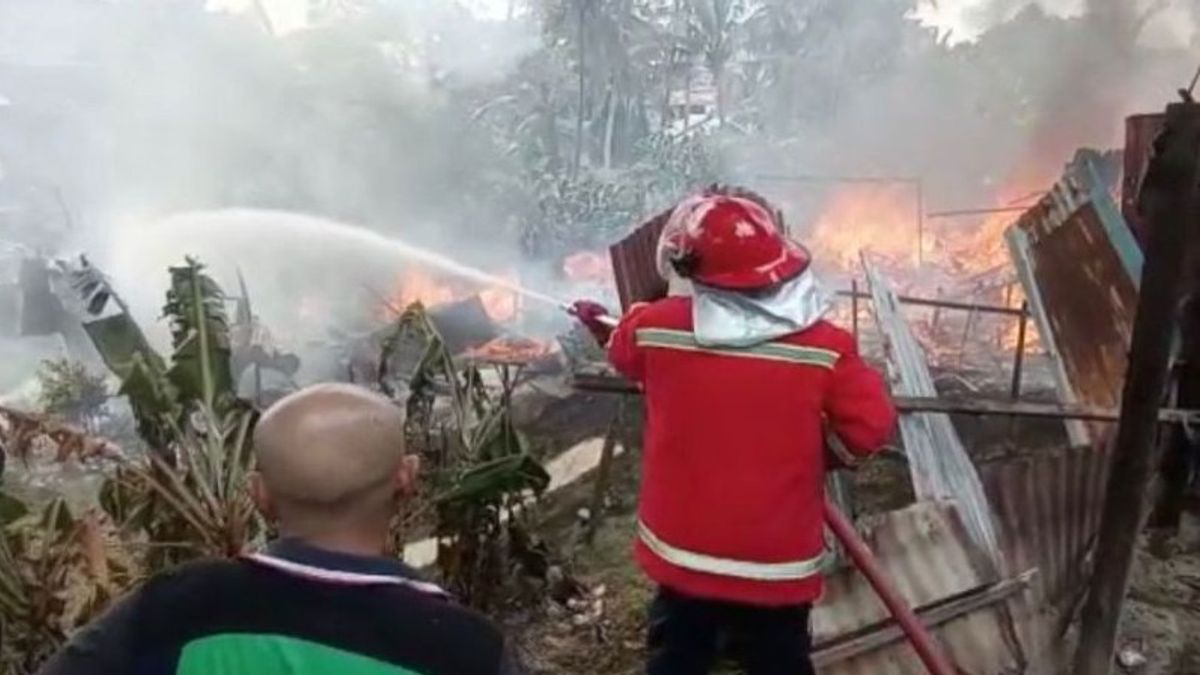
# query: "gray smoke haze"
117,117
1010,108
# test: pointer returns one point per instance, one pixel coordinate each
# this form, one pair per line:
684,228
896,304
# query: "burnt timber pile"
994,553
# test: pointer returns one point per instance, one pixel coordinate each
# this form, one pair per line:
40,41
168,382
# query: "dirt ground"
1162,616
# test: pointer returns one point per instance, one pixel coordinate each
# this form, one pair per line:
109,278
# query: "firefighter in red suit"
742,378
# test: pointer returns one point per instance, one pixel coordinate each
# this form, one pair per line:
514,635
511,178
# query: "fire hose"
923,644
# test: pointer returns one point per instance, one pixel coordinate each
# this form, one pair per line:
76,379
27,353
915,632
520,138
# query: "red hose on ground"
923,643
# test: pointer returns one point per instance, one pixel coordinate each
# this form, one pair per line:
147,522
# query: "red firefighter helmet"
729,242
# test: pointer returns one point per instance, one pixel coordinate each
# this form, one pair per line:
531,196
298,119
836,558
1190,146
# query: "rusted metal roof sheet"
937,460
1049,510
928,555
633,262
1080,267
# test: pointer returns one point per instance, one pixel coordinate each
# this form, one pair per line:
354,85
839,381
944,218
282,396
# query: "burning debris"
993,290
432,290
511,351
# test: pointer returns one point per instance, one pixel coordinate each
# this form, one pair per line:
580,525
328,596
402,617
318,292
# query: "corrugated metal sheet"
928,555
1049,511
633,262
937,460
1079,265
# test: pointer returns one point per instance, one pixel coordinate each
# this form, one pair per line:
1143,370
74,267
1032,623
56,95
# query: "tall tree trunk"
550,129
665,115
687,99
719,84
575,165
609,122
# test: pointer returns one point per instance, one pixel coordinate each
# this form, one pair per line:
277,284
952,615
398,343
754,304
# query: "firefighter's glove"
595,318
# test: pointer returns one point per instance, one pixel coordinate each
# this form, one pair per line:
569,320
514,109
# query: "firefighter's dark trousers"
688,635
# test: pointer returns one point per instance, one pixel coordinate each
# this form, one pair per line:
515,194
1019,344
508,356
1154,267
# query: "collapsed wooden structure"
993,555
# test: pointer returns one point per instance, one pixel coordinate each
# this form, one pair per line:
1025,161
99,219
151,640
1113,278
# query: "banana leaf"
153,400
113,331
120,340
492,480
496,436
11,509
200,367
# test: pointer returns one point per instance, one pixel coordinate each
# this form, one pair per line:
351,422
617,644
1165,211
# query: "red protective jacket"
734,460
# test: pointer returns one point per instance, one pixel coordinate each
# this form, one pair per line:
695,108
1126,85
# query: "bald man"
325,598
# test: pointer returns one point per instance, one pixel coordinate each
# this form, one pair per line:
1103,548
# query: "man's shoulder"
198,573
395,622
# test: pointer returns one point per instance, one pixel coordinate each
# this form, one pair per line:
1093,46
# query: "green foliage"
164,394
70,391
195,308
598,207
11,509
476,460
197,506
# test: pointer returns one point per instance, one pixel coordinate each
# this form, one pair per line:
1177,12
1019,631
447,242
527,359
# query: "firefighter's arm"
617,336
623,351
859,413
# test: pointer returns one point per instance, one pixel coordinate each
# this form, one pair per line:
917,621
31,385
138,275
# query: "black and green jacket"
294,610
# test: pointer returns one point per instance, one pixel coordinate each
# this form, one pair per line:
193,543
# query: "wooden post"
920,222
1019,356
962,351
854,309
604,471
937,314
1169,200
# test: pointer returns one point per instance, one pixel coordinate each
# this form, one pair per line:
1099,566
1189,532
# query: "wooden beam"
1170,195
932,616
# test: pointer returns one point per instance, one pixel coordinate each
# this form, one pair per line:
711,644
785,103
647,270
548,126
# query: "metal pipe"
920,222
921,640
946,304
977,212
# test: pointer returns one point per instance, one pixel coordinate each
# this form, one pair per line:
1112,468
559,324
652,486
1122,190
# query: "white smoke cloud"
1174,25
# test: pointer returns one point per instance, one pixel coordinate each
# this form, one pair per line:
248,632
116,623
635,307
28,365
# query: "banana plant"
188,494
480,467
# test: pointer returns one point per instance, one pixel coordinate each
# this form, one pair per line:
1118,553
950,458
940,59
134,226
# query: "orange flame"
588,266
881,219
418,285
